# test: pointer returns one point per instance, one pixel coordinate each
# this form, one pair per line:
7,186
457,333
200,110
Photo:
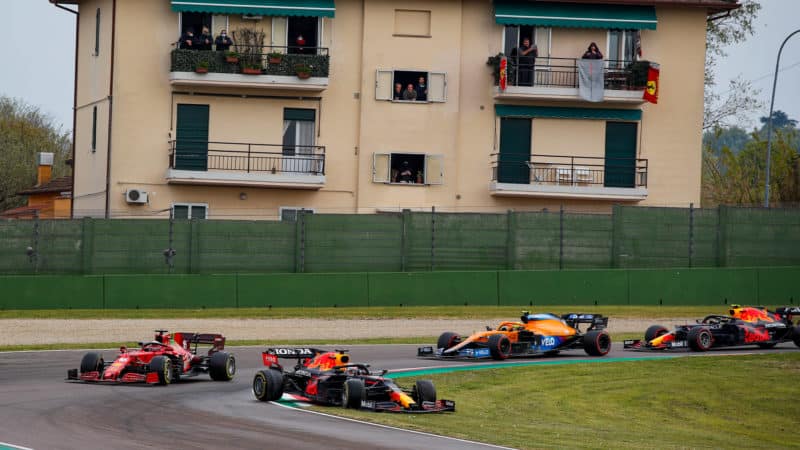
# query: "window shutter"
437,89
383,84
219,23
380,167
279,28
434,168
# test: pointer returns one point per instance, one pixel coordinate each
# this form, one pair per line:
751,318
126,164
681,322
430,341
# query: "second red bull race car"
329,378
163,360
746,325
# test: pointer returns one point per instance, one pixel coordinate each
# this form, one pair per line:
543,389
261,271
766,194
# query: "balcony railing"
563,73
247,157
576,171
269,60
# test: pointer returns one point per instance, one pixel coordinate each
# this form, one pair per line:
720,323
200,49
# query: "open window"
412,86
622,47
296,35
407,168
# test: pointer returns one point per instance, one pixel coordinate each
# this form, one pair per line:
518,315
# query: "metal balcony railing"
563,72
570,171
267,60
247,157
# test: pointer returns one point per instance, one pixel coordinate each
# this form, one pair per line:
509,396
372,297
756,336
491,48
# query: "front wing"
426,407
128,378
641,345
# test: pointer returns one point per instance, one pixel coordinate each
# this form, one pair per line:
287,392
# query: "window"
290,213
407,168
426,86
296,35
540,36
189,211
94,129
298,141
195,22
412,23
622,47
97,32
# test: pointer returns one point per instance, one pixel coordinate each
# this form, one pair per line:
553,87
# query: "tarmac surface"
39,410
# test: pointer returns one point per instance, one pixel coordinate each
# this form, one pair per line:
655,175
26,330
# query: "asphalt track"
39,410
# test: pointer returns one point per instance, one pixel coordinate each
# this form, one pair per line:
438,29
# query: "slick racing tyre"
423,391
92,362
222,366
700,339
597,343
353,393
447,340
163,367
796,336
654,331
268,385
499,346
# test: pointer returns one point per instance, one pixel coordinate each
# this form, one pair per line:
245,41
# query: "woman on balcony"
593,52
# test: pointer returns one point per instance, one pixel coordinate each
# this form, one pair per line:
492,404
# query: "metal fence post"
33,249
433,237
616,235
511,239
691,233
87,244
302,219
169,253
404,216
561,238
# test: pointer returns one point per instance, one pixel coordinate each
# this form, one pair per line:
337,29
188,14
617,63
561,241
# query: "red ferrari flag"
651,91
503,73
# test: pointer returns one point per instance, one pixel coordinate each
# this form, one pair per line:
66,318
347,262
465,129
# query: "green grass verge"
412,312
695,402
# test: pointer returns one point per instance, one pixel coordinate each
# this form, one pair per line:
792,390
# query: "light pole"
769,119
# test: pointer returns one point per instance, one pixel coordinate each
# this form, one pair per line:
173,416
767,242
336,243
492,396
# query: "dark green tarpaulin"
574,15
312,8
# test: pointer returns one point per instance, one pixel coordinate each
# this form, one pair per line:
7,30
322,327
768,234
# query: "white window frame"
390,96
281,209
626,34
320,32
189,211
535,40
425,178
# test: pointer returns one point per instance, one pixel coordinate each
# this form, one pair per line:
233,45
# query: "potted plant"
251,69
201,67
274,57
231,57
303,71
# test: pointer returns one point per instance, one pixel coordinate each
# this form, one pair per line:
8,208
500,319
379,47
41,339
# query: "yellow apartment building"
368,105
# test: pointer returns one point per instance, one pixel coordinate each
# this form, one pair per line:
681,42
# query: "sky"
42,60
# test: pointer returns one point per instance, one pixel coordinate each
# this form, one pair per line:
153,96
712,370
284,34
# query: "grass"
708,402
373,312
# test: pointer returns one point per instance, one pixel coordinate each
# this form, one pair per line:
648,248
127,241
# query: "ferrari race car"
536,334
746,325
161,361
329,378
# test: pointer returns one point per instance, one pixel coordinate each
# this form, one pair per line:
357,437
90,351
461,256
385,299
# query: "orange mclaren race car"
329,378
536,334
746,325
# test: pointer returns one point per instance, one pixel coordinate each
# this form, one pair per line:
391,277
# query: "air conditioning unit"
251,17
136,196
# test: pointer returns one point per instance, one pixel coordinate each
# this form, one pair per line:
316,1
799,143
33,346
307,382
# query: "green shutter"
308,8
299,114
191,145
548,112
515,151
574,15
620,162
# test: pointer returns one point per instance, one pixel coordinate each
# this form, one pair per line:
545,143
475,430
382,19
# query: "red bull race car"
535,334
329,378
163,360
746,325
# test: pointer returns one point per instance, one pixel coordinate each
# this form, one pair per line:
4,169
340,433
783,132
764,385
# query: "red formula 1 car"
746,325
161,361
329,378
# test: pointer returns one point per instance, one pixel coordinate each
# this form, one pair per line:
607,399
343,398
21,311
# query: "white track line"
14,446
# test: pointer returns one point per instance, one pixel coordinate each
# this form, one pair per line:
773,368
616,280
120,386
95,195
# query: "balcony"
557,79
575,177
294,68
244,164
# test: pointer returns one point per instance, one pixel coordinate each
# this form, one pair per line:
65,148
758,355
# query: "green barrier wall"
701,286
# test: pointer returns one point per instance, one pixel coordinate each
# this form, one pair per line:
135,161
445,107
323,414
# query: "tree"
779,120
25,131
741,97
733,138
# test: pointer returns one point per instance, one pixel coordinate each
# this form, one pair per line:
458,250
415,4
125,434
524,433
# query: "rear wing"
270,356
186,339
595,321
788,311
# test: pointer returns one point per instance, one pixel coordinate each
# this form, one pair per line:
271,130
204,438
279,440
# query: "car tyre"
162,366
597,343
447,340
499,346
222,366
92,362
796,336
353,393
700,339
423,391
655,331
268,385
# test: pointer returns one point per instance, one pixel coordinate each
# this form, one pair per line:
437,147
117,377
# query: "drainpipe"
74,105
110,109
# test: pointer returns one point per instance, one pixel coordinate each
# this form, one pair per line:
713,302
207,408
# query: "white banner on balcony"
590,75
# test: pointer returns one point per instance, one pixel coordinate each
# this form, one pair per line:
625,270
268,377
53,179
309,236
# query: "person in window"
410,94
592,52
188,41
405,175
223,42
398,91
206,39
422,90
526,54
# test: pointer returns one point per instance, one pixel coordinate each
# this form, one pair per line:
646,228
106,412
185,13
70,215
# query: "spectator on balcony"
526,60
593,52
398,91
410,94
206,39
422,90
405,175
223,42
188,41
